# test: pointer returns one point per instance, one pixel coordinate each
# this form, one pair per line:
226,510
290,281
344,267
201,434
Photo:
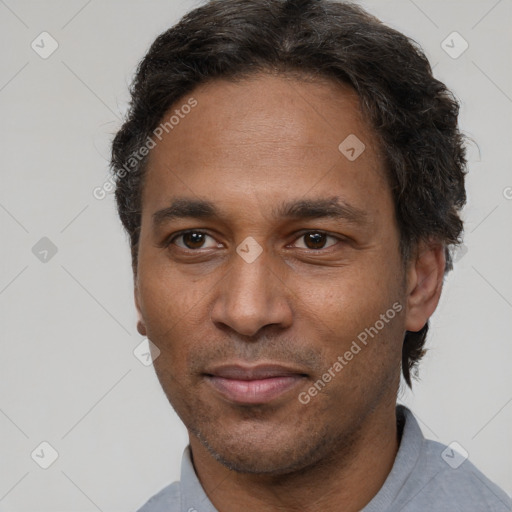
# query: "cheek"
166,292
173,312
172,307
347,301
359,318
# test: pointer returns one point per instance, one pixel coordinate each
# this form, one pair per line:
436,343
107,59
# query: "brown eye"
316,240
193,240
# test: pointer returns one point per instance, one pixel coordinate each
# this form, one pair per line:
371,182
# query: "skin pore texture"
251,148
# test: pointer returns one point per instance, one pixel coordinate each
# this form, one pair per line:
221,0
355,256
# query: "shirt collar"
408,455
194,499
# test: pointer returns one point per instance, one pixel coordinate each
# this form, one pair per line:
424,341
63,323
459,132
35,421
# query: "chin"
257,462
268,454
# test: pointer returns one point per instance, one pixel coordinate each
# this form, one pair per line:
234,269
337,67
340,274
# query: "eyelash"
174,237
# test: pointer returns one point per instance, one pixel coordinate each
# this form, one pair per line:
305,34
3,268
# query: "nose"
251,297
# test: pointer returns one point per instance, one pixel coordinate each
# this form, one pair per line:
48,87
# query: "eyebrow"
303,209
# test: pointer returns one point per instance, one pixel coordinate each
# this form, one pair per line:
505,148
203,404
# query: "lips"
253,384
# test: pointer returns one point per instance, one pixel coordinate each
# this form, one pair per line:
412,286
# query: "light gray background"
68,373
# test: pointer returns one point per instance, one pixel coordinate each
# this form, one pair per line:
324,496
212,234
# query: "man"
291,175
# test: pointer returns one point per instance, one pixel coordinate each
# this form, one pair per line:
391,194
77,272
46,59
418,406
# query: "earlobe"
424,284
141,327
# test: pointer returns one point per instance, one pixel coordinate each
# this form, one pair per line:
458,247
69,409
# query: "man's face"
264,154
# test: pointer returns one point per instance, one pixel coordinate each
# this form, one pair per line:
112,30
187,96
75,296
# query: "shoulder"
428,475
451,479
168,499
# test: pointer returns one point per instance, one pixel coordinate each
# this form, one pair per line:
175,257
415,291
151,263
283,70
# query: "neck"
347,480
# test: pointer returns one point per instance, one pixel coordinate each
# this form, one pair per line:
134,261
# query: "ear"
424,283
141,327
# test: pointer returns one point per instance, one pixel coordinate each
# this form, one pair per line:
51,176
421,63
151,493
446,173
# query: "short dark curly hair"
413,114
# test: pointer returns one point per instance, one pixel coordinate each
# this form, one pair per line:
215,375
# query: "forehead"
269,134
264,109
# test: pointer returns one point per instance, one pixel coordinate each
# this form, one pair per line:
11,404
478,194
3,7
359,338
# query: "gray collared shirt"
426,476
